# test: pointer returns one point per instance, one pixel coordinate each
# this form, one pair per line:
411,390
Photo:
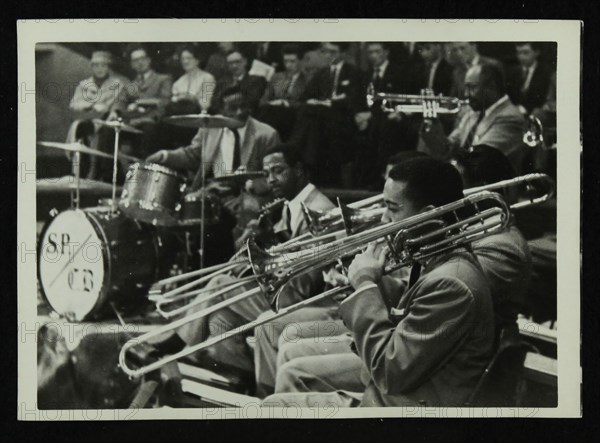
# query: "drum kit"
92,259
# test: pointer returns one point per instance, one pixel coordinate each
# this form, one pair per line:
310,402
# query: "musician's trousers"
319,365
315,322
232,352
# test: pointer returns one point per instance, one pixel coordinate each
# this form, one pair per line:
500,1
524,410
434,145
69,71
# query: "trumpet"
413,104
415,238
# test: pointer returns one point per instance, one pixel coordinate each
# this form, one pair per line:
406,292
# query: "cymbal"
148,101
204,121
79,147
68,183
248,175
75,147
117,124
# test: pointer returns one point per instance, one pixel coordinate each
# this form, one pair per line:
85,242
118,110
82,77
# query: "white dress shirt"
295,207
226,147
527,82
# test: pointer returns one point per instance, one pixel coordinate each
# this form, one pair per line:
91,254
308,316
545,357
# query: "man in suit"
424,343
325,126
529,82
145,99
288,179
435,72
252,86
467,56
282,97
490,120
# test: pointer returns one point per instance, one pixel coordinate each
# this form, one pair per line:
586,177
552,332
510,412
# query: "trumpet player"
492,120
425,343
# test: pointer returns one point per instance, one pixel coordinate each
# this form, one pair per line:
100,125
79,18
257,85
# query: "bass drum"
89,259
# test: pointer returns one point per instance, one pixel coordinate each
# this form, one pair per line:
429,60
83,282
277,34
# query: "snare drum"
88,259
152,193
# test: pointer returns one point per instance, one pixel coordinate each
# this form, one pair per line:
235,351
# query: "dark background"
384,430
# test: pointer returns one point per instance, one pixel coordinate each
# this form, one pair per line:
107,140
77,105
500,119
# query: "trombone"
332,225
407,242
413,104
321,221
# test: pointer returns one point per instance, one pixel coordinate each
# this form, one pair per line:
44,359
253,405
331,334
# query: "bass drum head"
72,265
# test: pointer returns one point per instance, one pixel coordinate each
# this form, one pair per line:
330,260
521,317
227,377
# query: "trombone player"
427,342
288,179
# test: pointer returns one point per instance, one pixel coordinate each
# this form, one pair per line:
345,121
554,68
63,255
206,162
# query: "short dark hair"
493,73
291,153
534,45
233,90
342,45
402,156
290,49
484,164
428,181
238,50
134,48
191,49
384,45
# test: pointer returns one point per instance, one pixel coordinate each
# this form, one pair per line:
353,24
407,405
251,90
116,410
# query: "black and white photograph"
354,218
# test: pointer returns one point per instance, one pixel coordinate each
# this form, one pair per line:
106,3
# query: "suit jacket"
433,348
506,262
536,93
311,283
252,87
258,138
502,128
458,77
397,79
156,86
349,82
280,87
442,79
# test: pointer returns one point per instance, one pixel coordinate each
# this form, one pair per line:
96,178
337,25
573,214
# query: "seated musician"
288,179
425,343
491,120
222,151
310,365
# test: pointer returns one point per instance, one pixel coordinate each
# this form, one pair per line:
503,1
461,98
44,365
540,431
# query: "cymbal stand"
113,203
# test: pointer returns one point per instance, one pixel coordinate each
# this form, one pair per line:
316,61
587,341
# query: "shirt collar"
381,69
475,60
338,65
241,131
296,208
491,109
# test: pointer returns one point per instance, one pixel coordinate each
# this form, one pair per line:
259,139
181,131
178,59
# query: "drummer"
223,151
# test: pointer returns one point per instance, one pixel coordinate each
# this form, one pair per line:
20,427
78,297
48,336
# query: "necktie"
524,85
471,136
333,80
236,151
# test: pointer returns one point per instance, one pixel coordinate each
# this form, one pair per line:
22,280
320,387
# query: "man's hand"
279,102
159,157
395,116
258,186
132,107
362,120
368,266
100,108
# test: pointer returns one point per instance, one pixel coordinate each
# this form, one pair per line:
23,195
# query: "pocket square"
345,83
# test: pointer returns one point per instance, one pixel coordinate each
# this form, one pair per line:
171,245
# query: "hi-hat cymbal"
247,175
69,183
204,121
117,124
75,147
79,147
